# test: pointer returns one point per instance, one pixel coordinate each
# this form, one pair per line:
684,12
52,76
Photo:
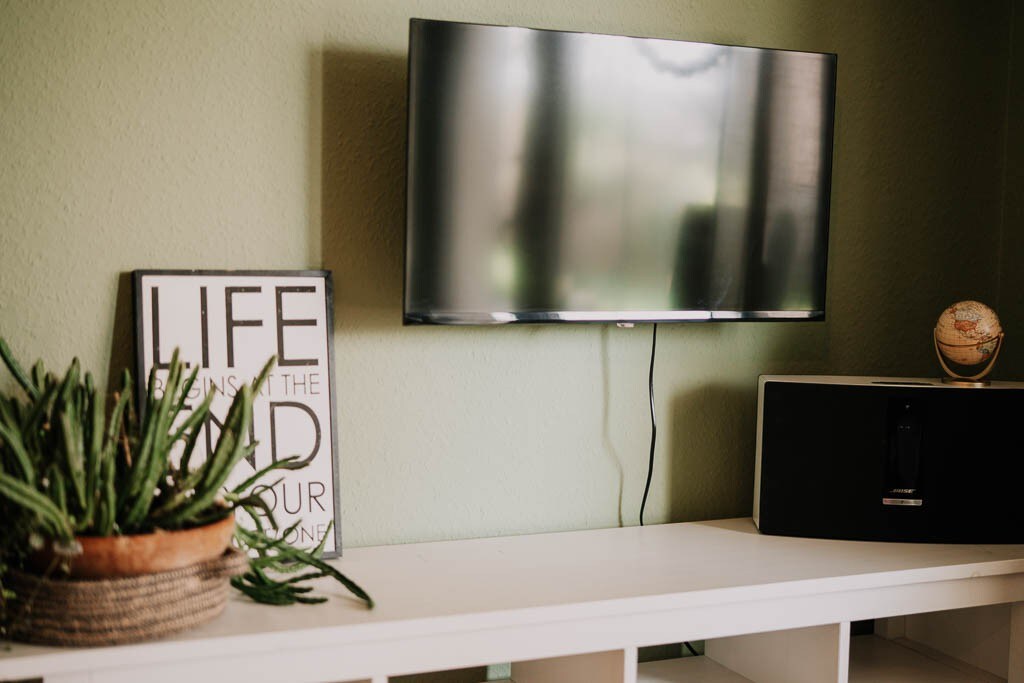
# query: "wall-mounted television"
558,176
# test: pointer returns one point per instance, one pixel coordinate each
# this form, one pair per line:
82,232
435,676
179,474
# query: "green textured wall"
1011,284
229,134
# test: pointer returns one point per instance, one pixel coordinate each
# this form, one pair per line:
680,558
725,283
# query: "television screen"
556,176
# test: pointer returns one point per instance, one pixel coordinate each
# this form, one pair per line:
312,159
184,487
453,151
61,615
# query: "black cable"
654,423
654,440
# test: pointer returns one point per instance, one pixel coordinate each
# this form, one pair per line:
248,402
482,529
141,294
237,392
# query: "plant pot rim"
160,550
161,530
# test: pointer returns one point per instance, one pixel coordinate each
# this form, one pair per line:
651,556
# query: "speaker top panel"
845,380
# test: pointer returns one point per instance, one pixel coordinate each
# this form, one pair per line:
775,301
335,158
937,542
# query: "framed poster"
229,323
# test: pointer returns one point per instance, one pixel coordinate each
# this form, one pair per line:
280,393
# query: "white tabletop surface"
461,585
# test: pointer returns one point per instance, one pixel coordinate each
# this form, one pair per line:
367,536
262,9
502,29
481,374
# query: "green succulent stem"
69,466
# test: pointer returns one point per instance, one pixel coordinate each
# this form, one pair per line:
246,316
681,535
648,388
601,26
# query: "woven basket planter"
113,611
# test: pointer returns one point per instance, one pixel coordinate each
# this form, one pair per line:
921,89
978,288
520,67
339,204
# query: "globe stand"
976,380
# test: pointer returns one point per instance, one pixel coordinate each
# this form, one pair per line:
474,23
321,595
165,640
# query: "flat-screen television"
558,176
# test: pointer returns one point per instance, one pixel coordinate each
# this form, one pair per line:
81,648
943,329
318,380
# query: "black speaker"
876,459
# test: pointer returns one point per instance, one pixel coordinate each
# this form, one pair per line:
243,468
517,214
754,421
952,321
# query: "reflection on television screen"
571,176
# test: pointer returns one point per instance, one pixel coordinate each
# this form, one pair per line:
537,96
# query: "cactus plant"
71,467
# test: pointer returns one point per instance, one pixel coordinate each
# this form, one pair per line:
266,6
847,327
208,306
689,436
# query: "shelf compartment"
469,675
688,670
989,638
876,660
613,666
816,654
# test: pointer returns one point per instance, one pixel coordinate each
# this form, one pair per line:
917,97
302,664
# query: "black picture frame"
141,374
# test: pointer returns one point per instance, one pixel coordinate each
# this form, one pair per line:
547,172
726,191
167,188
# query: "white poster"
229,323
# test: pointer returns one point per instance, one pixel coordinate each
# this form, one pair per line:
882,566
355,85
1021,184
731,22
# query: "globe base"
966,382
976,380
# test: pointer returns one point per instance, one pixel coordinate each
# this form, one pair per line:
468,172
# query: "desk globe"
968,333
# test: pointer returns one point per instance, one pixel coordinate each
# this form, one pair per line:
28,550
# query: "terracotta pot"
115,556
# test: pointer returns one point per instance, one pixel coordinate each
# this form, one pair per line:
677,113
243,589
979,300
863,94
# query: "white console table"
576,606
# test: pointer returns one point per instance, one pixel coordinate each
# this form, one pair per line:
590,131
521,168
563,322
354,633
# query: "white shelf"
877,660
687,670
576,600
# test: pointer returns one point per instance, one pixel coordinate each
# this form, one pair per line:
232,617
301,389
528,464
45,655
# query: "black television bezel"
477,318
